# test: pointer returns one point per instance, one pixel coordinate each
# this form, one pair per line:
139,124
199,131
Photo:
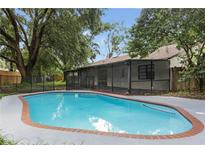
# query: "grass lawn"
5,141
26,87
57,83
2,95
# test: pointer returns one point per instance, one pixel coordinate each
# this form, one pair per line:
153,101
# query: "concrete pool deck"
12,126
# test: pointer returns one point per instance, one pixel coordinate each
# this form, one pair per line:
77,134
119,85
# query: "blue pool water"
104,113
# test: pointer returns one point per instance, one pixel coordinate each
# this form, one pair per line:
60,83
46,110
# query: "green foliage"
5,141
149,32
184,27
47,64
22,33
3,64
49,40
57,83
71,35
2,95
115,39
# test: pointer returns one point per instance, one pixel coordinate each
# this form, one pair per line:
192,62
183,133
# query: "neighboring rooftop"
111,60
165,52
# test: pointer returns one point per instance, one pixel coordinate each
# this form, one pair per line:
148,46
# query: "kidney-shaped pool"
103,113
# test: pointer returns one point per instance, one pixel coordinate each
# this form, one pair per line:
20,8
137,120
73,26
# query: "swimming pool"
97,112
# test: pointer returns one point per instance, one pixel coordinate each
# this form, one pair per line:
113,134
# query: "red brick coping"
197,126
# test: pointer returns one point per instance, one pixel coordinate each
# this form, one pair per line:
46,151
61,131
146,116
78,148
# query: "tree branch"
38,31
186,49
8,59
7,45
12,18
201,50
24,33
7,36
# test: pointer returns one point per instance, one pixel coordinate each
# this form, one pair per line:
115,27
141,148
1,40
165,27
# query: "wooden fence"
190,85
7,77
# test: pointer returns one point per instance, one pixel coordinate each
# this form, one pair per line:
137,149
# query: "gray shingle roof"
165,52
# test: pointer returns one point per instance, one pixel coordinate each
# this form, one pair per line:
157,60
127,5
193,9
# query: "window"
146,72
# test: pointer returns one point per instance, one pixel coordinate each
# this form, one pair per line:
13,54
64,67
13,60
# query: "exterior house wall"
161,76
136,82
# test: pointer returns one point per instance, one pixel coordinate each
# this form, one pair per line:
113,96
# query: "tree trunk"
201,84
11,68
26,74
39,21
28,77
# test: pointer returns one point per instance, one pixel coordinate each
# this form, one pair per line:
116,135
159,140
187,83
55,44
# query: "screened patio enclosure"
129,76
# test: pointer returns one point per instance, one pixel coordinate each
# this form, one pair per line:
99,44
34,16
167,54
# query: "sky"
126,16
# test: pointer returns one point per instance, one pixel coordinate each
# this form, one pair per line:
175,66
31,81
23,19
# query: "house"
126,74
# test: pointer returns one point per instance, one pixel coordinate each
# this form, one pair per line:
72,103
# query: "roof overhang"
107,64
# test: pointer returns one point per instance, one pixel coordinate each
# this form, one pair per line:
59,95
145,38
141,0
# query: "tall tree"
24,33
115,39
184,27
23,29
47,64
71,35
